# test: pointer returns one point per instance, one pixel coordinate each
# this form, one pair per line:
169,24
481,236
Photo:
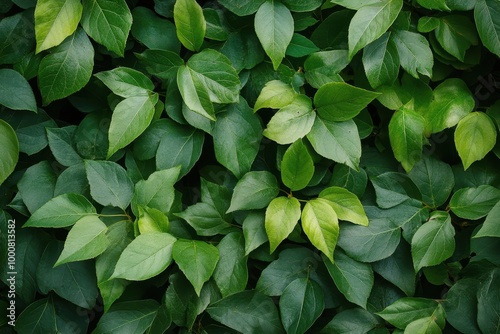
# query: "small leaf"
488,25
297,167
474,203
145,257
414,52
54,21
346,205
126,82
190,24
9,154
491,227
197,260
254,190
16,91
320,224
282,216
381,61
434,241
275,94
274,28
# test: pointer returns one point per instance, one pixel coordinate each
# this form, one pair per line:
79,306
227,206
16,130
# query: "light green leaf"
291,122
456,34
54,21
157,191
282,216
128,317
190,24
475,136
408,309
452,101
16,91
321,226
474,203
346,205
275,94
488,24
338,141
254,190
301,303
414,52
150,220
130,118
109,183
434,4
197,260
67,68
338,101
381,61
491,226
354,279
108,23
324,67
126,82
9,154
205,219
297,166
406,134
434,241
274,28
61,211
86,240
370,22
145,257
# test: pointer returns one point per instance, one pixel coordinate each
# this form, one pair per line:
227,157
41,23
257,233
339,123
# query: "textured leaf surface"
282,216
16,91
10,150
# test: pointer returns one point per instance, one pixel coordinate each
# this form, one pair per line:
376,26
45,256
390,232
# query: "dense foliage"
254,166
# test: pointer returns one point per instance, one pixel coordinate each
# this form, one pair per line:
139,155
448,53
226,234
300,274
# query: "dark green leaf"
461,305
300,46
153,31
128,316
44,177
217,27
10,150
490,227
346,177
381,61
351,321
434,4
324,67
62,145
254,190
488,25
161,63
297,167
231,272
17,36
205,219
393,189
254,231
16,91
242,7
474,203
488,316
456,34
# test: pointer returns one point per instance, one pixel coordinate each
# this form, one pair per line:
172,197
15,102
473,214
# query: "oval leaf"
282,216
346,205
474,203
297,167
190,24
16,91
254,190
9,154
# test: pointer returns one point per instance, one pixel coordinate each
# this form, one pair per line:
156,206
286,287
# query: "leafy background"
251,166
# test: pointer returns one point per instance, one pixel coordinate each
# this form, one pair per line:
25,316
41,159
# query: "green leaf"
54,21
427,24
381,61
300,305
154,32
434,179
10,150
346,177
324,67
282,216
274,28
61,211
355,5
41,174
393,189
161,63
246,312
427,325
67,68
16,91
300,46
475,136
345,204
86,240
488,25
109,183
406,134
354,279
231,272
487,307
217,25
452,101
291,122
254,231
157,191
197,260
456,34
126,82
152,220
275,94
461,305
414,52
338,141
190,24
62,145
490,227
370,22
434,4
474,203
408,309
242,7
434,241
297,167
302,5
205,219
320,224
354,320
108,23
145,257
338,101
18,37
237,134
254,190
129,316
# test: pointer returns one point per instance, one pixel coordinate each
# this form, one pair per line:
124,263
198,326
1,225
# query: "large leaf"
9,154
274,28
370,22
197,260
338,141
108,22
247,312
129,316
16,91
254,190
490,227
54,21
381,61
282,216
488,24
130,118
126,82
320,224
61,211
434,241
456,34
475,136
67,68
146,256
488,316
474,203
297,167
17,36
461,305
109,183
190,24
345,204
414,52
